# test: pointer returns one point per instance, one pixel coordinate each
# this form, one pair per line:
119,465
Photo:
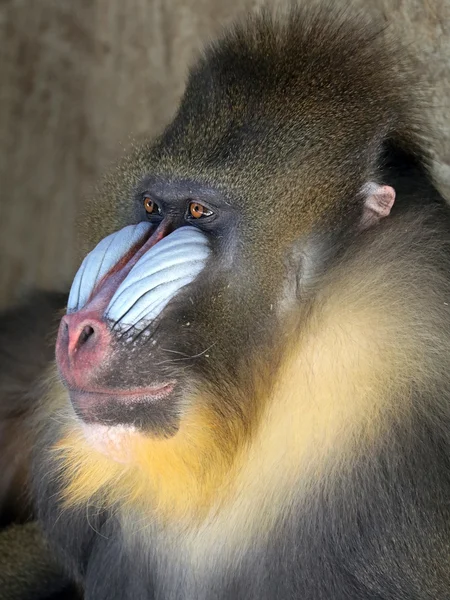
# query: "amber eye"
151,207
197,210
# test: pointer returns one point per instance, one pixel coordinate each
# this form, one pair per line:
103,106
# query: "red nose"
82,346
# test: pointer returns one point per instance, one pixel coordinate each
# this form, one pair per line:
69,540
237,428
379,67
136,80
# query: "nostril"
81,335
86,333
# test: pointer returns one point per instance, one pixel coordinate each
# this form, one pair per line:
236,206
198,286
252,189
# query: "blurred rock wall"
79,78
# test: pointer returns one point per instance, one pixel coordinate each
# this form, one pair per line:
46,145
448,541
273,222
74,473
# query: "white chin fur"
113,442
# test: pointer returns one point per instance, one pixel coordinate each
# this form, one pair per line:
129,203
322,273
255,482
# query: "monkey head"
213,233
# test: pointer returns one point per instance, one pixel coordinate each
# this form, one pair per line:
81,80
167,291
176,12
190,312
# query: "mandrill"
251,393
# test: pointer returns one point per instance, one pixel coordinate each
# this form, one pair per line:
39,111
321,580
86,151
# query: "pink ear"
378,202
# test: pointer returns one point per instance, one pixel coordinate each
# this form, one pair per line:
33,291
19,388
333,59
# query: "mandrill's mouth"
116,405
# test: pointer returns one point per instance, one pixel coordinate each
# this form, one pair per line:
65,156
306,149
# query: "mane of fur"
372,343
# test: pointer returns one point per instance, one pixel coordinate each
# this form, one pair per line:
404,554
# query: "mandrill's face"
114,347
165,310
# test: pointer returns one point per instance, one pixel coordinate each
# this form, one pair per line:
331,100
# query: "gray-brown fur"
28,570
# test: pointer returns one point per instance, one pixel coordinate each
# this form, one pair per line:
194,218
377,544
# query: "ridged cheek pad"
155,279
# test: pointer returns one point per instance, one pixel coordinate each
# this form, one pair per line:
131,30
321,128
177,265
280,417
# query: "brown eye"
151,207
197,210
